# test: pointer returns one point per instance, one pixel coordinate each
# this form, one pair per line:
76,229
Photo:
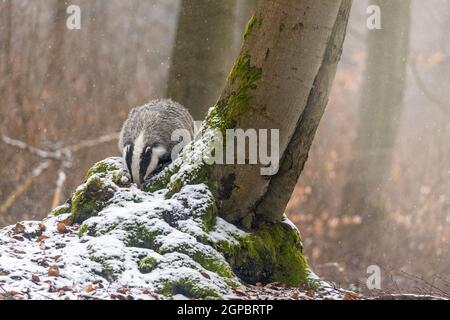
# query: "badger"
146,138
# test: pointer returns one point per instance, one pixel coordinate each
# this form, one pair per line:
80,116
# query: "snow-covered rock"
112,240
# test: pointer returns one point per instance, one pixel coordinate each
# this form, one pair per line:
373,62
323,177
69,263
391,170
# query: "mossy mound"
181,223
112,237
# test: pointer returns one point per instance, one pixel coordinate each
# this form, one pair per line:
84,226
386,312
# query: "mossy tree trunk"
279,81
379,117
243,12
202,55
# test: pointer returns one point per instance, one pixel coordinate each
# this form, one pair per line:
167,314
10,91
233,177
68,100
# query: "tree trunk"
379,116
282,185
380,110
202,54
271,86
243,12
289,47
55,73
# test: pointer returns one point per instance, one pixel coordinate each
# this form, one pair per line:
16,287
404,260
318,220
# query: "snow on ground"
130,245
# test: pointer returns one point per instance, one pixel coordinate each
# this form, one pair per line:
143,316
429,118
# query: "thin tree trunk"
380,110
282,185
270,87
6,47
55,73
379,116
202,54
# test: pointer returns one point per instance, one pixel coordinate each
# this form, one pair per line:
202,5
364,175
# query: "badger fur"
146,137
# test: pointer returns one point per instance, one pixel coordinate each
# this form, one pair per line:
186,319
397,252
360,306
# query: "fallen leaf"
67,222
19,228
42,226
61,227
88,288
240,292
35,278
41,238
310,293
53,271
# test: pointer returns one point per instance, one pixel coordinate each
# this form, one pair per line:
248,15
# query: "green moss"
213,264
244,75
90,199
162,180
187,287
140,237
107,271
242,79
271,254
210,216
201,174
251,24
174,187
65,208
105,168
84,229
99,168
147,264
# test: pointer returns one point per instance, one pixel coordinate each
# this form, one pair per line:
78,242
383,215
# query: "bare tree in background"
379,116
59,86
202,54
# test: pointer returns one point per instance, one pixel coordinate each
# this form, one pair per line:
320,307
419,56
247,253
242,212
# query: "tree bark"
282,185
269,87
202,54
243,12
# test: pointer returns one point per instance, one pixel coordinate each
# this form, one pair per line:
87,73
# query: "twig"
93,142
417,278
36,151
5,293
63,155
59,187
24,186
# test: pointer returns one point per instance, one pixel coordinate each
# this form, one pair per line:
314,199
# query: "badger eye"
147,150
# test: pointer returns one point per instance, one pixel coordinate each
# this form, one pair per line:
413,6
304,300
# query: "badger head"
143,158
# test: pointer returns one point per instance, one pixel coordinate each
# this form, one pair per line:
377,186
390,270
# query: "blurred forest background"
376,187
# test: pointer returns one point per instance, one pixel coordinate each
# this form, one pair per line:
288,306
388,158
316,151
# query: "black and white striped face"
142,159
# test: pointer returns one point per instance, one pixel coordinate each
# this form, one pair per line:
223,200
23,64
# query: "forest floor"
40,278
